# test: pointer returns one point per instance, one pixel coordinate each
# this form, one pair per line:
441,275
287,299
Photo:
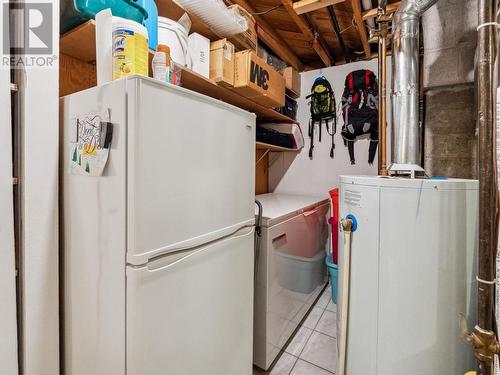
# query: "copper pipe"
382,73
488,191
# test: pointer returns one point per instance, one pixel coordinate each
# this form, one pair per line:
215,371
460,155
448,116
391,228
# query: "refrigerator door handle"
182,255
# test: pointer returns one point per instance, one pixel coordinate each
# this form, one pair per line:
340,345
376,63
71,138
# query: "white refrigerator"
157,253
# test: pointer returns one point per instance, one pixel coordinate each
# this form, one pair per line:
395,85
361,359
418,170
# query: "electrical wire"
370,29
348,27
267,11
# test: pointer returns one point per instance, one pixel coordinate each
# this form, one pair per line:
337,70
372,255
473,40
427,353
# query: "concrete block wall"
450,121
449,42
450,138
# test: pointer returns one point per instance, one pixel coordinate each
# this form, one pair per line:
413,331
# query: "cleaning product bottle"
130,48
160,66
166,50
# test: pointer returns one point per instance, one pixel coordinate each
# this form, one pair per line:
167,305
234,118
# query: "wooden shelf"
196,82
79,43
273,148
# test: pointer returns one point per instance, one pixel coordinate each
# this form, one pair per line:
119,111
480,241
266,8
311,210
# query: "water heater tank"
413,269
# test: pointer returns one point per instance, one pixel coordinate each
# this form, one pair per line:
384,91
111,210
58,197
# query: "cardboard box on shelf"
292,81
258,81
222,60
199,51
248,39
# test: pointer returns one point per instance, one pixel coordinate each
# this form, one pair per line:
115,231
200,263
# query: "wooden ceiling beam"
312,36
278,46
305,6
272,39
358,18
373,13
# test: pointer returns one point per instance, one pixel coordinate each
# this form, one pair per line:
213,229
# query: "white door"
192,313
191,169
8,324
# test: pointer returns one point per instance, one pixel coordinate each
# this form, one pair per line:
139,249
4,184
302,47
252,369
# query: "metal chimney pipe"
405,122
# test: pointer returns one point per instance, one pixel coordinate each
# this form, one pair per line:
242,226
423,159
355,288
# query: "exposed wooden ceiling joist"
372,13
358,18
317,41
305,6
273,40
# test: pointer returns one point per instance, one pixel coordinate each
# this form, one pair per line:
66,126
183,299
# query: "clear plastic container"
75,12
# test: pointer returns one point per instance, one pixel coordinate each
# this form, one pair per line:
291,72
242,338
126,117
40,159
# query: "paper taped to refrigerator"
90,143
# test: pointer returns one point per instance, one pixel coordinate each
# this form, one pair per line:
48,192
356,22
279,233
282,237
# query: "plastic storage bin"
76,12
334,222
175,36
333,271
151,22
299,274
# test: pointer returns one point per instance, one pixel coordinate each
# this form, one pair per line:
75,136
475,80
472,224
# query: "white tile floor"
313,350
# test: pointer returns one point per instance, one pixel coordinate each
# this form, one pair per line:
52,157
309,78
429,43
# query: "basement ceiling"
311,36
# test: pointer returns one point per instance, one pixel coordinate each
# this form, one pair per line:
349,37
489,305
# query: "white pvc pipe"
367,5
346,275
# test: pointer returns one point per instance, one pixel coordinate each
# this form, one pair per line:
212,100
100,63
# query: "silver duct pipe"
405,82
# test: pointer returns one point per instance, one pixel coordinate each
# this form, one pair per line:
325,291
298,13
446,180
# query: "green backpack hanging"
323,109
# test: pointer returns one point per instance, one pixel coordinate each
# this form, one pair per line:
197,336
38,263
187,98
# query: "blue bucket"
333,271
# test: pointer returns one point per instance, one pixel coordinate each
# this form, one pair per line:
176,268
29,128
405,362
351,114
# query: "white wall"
40,90
296,173
8,325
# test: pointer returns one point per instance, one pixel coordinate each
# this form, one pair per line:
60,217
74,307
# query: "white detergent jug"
175,36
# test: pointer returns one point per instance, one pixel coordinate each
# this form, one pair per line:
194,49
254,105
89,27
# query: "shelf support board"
306,6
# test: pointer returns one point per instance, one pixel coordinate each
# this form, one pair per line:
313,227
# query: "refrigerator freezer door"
191,313
93,242
191,169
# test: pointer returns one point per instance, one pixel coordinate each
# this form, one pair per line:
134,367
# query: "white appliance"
158,252
412,271
8,308
290,270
